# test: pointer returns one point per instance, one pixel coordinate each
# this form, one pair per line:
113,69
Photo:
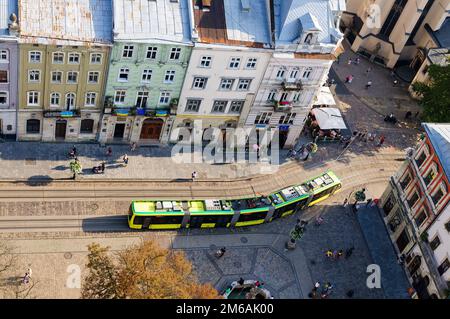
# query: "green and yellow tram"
210,213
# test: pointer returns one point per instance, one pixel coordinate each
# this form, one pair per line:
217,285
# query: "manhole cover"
244,240
30,161
214,247
67,255
237,264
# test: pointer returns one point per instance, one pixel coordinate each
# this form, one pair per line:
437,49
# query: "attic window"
245,5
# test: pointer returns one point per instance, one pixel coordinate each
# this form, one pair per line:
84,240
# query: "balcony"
283,106
289,85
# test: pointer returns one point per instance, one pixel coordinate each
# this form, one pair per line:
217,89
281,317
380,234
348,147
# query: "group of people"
363,136
316,292
339,254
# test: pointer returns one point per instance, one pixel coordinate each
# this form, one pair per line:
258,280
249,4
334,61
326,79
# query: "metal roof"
289,25
439,136
6,8
247,20
65,22
141,20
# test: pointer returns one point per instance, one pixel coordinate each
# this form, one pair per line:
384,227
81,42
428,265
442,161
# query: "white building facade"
230,56
306,41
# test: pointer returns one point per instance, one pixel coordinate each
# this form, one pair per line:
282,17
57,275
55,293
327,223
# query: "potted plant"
174,102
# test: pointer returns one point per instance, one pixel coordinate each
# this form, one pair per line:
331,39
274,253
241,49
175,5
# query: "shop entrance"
119,130
151,129
60,130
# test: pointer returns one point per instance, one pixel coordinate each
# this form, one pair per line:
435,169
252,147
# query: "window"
244,84
226,84
169,77
280,73
151,53
33,126
54,99
392,18
296,97
251,63
72,77
413,199
405,182
34,75
205,61
123,75
175,54
420,219
234,63
127,51
271,95
395,222
164,97
119,96
90,99
236,106
3,76
58,57
388,205
70,101
293,74
146,75
431,174
74,58
33,98
193,105
3,98
287,118
307,73
199,83
87,126
4,56
141,100
284,96
444,266
263,118
403,240
219,106
422,157
435,243
438,194
56,77
96,58
34,57
93,77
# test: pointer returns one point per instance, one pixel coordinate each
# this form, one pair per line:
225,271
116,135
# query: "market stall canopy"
325,97
329,118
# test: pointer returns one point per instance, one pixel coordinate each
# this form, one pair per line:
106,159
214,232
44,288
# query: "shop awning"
329,118
325,97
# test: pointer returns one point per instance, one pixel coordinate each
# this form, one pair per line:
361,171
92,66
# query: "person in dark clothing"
241,281
408,115
349,252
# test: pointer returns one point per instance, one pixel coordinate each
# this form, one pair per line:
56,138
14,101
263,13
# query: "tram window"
205,219
287,208
166,219
323,193
252,216
130,211
223,220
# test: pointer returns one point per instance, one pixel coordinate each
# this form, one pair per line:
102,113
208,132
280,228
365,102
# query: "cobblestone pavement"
256,252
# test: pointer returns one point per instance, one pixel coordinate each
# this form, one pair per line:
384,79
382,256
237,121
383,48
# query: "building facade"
306,41
395,33
148,65
232,47
63,64
8,68
416,208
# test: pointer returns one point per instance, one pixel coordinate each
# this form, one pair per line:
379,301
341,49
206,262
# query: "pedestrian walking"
368,71
133,146
125,159
350,79
381,140
102,166
369,201
417,114
345,202
395,82
350,61
194,175
340,254
357,61
349,252
329,253
408,115
109,151
368,85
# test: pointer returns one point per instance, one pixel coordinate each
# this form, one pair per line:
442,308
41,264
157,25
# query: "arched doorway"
60,130
151,129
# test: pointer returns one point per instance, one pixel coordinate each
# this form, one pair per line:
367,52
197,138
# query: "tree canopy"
435,94
145,271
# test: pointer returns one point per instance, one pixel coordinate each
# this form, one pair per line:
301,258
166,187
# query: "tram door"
146,223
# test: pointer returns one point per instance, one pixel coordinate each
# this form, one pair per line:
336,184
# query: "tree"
145,271
435,94
75,168
11,283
